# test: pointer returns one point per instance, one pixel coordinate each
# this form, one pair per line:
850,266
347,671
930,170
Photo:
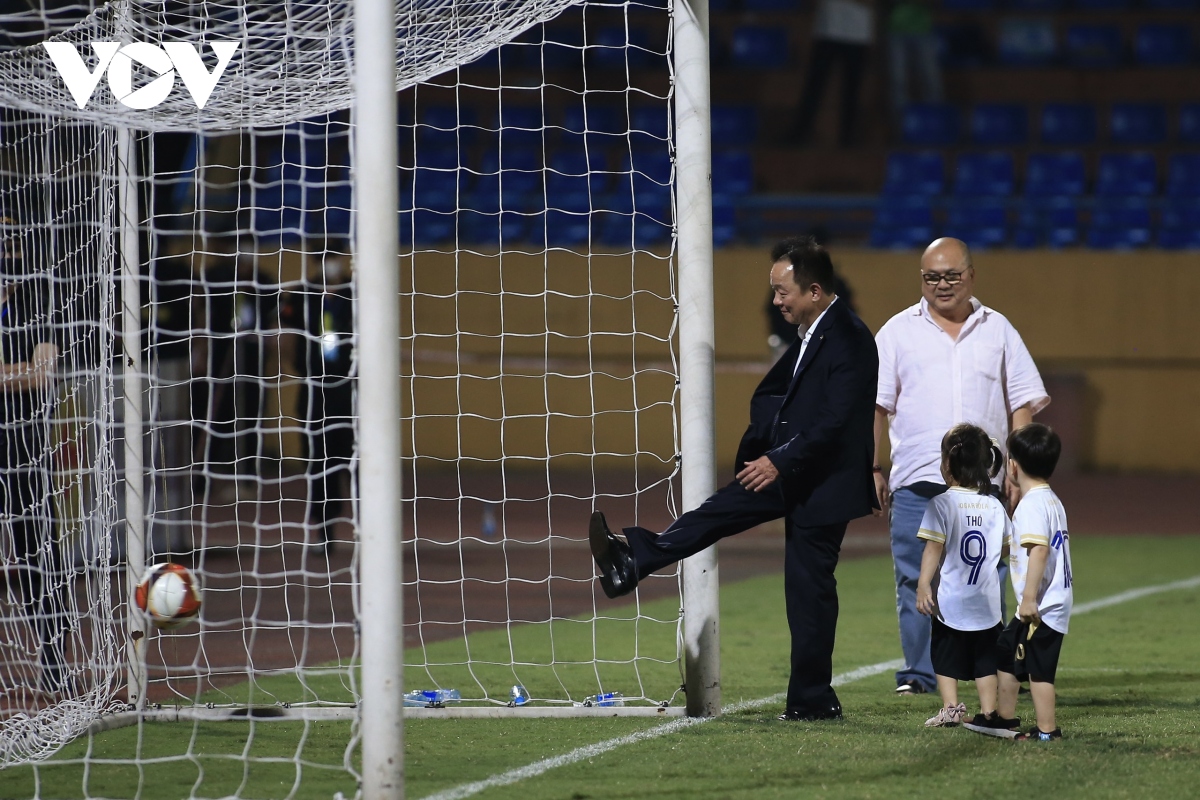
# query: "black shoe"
1036,734
810,715
618,570
994,725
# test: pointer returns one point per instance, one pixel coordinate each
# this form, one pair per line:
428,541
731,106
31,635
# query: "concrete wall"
1116,335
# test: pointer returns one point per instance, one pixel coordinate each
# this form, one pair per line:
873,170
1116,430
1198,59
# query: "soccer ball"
169,595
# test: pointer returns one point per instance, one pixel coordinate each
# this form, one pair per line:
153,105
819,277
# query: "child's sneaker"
948,717
994,725
1036,734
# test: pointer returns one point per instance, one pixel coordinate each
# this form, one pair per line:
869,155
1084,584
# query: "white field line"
599,748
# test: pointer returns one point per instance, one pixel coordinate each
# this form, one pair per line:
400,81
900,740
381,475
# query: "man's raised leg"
732,509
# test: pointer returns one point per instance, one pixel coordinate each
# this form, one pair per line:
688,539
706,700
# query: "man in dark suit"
806,457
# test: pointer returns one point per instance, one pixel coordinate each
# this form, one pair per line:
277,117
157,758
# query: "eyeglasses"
951,278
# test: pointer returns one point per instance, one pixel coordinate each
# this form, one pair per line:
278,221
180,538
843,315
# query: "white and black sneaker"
906,688
994,725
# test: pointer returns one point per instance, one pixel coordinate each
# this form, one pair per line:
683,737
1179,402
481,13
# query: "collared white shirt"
928,383
808,332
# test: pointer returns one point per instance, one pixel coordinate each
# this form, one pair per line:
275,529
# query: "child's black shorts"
963,655
1029,654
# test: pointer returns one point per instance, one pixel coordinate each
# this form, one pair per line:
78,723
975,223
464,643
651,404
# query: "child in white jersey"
1040,567
965,531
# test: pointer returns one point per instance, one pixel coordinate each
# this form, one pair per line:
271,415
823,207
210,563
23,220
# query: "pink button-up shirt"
928,383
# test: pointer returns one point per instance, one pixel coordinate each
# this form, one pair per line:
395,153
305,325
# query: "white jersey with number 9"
974,529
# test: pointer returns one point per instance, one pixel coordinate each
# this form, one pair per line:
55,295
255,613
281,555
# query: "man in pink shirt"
948,359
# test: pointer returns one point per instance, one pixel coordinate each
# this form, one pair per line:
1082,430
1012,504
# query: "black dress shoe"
811,715
618,569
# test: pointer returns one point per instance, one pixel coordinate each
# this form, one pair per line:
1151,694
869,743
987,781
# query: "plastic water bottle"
487,525
606,700
517,696
431,698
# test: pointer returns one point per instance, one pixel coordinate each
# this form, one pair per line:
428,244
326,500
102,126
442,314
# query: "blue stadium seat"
600,128
649,126
634,218
594,119
969,5
1189,123
1126,175
734,126
1037,5
1183,175
567,222
1180,224
930,124
1054,175
1092,45
1171,5
1138,123
1026,42
1158,45
984,175
444,126
732,173
724,220
980,225
772,5
575,172
555,47
902,223
1119,224
512,180
915,174
997,125
1068,124
1047,221
615,47
647,171
335,216
759,47
1101,5
520,127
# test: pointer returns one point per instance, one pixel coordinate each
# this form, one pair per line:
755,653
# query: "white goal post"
509,204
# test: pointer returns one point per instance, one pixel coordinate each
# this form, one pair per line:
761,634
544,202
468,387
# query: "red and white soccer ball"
169,595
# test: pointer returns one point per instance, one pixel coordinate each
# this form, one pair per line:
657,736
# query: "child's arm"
1038,553
930,562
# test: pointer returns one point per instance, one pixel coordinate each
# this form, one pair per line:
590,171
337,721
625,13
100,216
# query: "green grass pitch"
1129,706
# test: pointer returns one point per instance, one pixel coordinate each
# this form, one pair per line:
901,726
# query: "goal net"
211,420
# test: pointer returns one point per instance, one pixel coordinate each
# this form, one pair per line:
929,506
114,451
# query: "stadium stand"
1066,122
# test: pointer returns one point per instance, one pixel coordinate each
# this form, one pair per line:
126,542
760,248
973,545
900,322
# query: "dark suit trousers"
810,557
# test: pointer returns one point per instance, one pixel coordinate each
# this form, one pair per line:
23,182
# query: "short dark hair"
1036,448
972,459
810,261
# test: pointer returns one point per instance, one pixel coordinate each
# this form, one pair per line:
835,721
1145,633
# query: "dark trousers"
26,508
329,426
826,55
810,558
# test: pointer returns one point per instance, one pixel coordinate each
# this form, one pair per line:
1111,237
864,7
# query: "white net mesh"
539,380
60,655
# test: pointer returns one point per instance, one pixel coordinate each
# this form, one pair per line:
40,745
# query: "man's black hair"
810,262
1036,448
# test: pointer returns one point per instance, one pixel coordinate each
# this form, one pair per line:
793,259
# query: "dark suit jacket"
817,428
